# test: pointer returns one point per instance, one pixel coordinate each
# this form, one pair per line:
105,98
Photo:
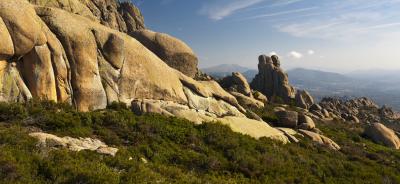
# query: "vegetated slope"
321,84
161,149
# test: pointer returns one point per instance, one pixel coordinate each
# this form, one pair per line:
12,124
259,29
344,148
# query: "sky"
331,35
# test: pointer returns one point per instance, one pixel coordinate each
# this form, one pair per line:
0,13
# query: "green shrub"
178,151
12,112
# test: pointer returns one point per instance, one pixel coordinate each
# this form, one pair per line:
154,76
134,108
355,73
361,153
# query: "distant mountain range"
380,85
224,70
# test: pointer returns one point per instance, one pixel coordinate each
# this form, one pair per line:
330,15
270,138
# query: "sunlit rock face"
72,54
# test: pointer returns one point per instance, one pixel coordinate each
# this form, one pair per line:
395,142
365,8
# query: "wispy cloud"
395,24
287,12
285,3
345,20
220,10
273,5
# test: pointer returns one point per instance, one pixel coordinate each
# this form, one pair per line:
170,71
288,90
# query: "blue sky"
340,35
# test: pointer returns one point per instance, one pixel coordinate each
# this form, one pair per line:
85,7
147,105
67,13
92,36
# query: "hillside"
89,94
154,148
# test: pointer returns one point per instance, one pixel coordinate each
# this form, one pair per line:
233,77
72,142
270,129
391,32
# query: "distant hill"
381,86
383,90
224,70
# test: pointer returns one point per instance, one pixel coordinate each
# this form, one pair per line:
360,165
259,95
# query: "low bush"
158,149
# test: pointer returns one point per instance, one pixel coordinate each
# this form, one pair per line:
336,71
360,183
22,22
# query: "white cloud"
295,55
219,11
273,53
310,52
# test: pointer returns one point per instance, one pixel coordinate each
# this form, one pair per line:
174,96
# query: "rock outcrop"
305,122
247,102
320,139
357,110
69,56
271,80
287,119
54,142
124,17
260,97
80,61
304,99
236,83
379,133
171,50
237,122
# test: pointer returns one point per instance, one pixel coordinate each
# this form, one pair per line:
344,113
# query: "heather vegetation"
153,148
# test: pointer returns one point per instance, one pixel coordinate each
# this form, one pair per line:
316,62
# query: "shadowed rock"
271,80
236,83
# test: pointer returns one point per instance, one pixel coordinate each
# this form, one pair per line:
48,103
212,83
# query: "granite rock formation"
271,80
287,119
171,50
124,17
236,83
304,99
53,142
381,134
359,110
320,139
127,18
67,54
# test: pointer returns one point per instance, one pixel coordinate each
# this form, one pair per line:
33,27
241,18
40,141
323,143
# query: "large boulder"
304,99
248,102
315,107
287,119
271,80
236,83
305,122
238,123
379,133
320,139
260,97
171,50
54,142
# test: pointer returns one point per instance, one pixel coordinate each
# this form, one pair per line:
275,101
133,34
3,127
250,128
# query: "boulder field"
74,52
